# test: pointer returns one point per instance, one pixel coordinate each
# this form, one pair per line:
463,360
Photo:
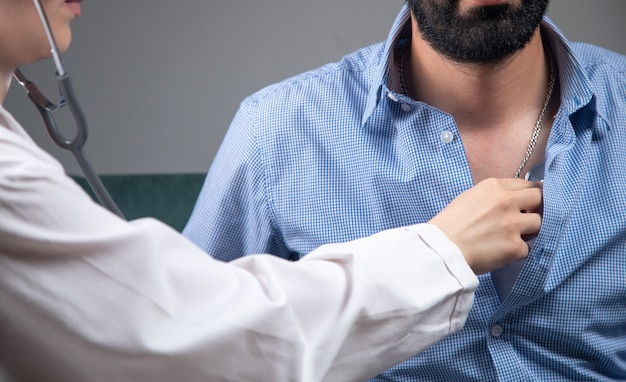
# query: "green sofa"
167,197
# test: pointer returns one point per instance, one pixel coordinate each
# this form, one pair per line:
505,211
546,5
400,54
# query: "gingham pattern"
333,154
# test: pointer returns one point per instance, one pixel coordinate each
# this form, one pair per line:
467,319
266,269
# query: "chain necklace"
538,125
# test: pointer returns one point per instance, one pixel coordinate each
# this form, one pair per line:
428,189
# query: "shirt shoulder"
354,69
18,147
590,55
606,73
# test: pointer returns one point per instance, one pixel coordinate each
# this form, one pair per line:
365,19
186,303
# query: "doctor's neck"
4,86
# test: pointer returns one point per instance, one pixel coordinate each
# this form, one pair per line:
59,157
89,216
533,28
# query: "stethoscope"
67,97
536,173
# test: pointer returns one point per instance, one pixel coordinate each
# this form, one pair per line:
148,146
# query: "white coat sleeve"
86,296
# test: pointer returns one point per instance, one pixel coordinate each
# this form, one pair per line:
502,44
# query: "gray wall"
160,81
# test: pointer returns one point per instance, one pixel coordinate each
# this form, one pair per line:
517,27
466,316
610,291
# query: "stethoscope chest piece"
536,173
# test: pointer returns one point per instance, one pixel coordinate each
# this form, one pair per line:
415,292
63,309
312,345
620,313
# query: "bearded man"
461,91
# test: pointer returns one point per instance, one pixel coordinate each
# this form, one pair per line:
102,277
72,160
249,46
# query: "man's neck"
480,96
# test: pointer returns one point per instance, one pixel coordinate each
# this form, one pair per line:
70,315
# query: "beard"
484,34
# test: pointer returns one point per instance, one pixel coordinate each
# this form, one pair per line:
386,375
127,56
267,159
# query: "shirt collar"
576,88
400,25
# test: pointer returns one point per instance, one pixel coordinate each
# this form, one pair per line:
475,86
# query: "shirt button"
392,97
496,330
406,107
447,136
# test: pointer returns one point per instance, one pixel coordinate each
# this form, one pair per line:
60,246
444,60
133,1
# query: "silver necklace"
538,125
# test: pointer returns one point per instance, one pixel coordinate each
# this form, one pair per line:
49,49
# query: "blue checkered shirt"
333,154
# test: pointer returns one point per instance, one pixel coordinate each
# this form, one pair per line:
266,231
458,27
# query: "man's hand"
488,221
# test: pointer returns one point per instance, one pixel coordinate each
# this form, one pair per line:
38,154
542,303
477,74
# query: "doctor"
86,296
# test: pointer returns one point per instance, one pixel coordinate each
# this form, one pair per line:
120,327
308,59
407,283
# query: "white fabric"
85,296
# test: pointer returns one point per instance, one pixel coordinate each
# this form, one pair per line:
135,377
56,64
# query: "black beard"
483,35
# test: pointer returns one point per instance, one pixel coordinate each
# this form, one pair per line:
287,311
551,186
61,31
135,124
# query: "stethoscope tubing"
69,99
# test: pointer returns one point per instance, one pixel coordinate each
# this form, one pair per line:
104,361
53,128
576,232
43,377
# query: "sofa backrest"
167,197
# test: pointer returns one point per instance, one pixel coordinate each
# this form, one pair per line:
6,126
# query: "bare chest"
499,153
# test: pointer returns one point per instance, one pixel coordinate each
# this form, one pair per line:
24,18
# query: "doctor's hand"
488,221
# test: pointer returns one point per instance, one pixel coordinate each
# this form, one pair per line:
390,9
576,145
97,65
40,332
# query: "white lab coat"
85,296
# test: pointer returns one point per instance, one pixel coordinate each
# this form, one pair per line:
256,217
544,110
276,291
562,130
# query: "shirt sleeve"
231,217
88,296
